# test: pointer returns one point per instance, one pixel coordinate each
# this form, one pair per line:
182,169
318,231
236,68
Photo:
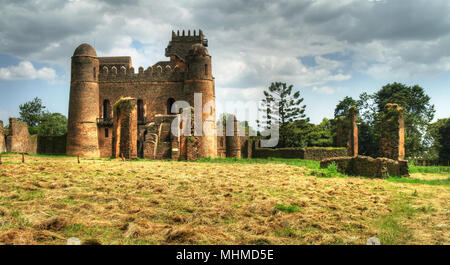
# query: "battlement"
157,72
182,42
186,35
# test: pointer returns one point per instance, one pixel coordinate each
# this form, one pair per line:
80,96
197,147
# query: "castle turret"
199,81
82,137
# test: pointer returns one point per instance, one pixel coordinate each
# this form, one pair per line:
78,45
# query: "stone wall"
18,139
312,153
368,166
51,145
125,129
2,138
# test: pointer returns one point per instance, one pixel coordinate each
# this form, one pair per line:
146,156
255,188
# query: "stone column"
233,142
393,132
352,140
125,128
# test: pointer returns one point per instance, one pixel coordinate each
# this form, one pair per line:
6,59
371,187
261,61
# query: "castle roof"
85,50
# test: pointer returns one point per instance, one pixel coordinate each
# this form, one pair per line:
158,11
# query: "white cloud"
26,71
324,90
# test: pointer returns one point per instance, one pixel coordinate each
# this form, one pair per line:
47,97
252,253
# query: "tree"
31,112
289,108
440,131
52,124
343,107
418,113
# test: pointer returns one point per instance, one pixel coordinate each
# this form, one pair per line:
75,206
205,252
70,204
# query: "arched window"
140,109
206,69
106,109
170,102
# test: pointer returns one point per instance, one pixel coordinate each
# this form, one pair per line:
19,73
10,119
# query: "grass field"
216,201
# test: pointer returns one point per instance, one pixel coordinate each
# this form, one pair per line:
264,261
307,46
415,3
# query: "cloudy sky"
326,49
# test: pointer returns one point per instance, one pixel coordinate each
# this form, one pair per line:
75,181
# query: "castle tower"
199,81
82,136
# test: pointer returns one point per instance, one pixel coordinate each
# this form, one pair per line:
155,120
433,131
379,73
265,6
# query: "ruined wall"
2,138
125,129
368,166
18,139
312,153
52,145
393,132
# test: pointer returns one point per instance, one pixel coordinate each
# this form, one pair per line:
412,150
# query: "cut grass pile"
101,201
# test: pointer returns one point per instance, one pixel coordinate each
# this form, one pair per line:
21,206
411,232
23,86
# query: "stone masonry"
98,82
18,139
125,128
352,142
392,148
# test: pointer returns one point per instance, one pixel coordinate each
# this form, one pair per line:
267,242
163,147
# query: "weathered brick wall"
18,139
2,138
125,128
368,166
313,153
54,145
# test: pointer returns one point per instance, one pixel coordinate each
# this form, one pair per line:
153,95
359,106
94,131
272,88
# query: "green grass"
332,172
287,208
429,169
440,182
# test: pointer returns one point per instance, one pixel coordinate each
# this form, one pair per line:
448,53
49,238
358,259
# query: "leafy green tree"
52,124
343,107
305,134
289,109
418,113
31,112
440,131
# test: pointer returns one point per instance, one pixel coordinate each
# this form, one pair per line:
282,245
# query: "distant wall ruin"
310,153
392,147
18,139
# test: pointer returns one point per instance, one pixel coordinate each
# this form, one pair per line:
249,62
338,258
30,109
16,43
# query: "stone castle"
100,127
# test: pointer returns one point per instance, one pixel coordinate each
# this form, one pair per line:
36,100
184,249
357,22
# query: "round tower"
199,79
82,138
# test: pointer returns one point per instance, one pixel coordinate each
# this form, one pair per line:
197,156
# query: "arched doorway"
170,102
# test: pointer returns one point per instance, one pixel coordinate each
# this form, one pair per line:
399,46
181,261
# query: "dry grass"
49,199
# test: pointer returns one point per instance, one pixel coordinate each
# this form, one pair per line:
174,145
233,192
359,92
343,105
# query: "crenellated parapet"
158,72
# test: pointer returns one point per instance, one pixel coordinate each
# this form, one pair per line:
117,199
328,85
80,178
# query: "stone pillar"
2,138
233,142
393,132
125,128
352,140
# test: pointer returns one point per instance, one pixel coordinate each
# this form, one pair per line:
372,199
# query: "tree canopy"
40,121
290,109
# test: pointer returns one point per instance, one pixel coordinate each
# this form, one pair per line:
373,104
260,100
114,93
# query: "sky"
326,49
